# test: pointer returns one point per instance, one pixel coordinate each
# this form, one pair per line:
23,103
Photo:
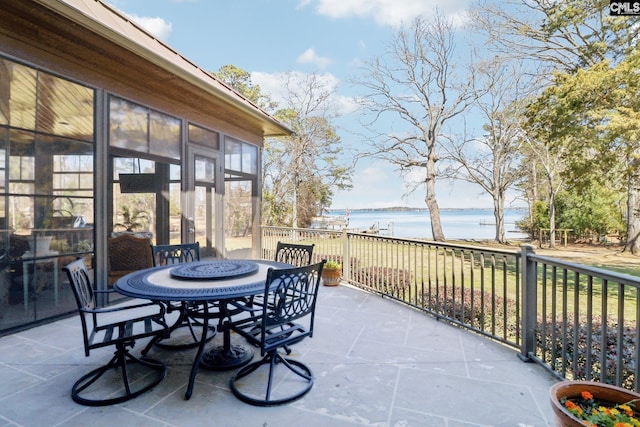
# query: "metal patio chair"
290,296
289,253
175,254
179,254
99,329
295,254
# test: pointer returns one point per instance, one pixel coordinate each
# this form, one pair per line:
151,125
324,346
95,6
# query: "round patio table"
204,282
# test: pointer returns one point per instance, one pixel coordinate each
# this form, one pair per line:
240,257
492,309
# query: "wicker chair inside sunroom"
128,253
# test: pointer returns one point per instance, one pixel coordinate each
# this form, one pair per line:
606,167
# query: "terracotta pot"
331,277
602,392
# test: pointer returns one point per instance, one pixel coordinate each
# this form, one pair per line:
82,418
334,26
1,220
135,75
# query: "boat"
330,222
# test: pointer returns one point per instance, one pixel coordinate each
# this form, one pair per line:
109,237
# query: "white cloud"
156,26
328,80
346,104
273,85
373,175
392,188
310,56
414,176
270,84
375,178
303,3
389,12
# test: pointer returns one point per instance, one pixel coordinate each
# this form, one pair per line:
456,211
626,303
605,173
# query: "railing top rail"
459,246
299,232
319,230
608,275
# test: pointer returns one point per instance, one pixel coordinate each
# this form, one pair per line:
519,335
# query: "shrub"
474,308
332,265
392,281
576,348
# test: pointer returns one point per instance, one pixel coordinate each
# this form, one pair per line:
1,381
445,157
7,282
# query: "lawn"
609,256
606,257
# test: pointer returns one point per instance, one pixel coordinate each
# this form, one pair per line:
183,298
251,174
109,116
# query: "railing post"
346,256
529,304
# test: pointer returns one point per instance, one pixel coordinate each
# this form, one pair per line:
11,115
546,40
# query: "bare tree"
549,158
275,198
566,34
493,161
308,164
415,81
298,172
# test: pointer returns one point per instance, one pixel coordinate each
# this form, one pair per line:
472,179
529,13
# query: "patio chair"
291,253
128,253
128,376
179,254
175,254
291,295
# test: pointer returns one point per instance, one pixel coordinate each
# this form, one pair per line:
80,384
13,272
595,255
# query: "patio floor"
376,363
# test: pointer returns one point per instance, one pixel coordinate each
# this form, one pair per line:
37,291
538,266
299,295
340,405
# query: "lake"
456,223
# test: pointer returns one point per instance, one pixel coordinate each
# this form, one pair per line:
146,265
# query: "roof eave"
195,76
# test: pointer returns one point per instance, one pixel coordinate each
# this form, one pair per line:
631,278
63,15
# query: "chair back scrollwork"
294,254
81,285
175,254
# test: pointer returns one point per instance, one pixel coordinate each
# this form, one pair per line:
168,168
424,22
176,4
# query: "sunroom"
104,129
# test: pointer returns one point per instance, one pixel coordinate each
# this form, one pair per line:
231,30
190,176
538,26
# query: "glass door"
203,201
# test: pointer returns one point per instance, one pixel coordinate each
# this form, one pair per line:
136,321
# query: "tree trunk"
498,214
294,213
534,195
552,219
534,178
633,220
432,203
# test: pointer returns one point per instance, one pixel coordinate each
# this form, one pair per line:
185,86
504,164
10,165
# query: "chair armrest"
161,308
246,305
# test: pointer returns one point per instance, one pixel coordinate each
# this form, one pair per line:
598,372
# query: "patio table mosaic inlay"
216,270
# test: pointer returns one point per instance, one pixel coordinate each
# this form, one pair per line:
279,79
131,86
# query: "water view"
475,224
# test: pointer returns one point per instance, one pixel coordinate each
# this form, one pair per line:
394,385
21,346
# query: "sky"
332,38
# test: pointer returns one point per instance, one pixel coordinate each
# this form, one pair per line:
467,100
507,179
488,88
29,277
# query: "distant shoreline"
410,209
416,223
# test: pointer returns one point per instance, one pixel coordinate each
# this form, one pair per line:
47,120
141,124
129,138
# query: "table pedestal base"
221,358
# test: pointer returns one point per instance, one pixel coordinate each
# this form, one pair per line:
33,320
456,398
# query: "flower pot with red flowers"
580,403
331,273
